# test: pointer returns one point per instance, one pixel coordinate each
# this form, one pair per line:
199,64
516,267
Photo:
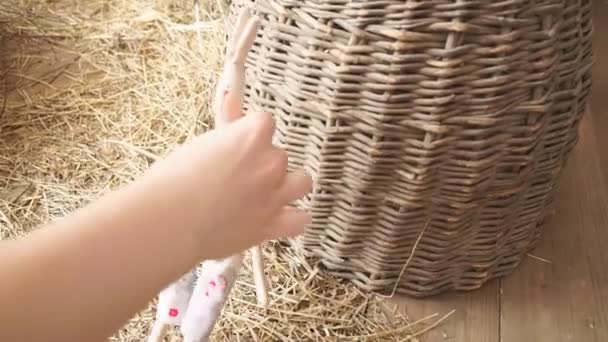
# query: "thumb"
231,108
260,126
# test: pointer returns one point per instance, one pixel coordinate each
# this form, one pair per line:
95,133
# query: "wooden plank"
475,318
567,299
599,99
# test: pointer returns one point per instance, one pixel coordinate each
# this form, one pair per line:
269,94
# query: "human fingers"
289,223
295,186
276,164
259,126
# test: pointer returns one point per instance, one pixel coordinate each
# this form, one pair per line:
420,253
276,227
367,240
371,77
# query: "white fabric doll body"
173,301
194,304
209,297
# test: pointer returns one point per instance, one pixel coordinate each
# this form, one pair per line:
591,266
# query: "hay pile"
92,93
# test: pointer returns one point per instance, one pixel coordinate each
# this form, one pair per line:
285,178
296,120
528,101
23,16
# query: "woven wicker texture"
436,130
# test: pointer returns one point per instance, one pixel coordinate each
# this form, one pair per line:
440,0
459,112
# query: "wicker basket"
436,130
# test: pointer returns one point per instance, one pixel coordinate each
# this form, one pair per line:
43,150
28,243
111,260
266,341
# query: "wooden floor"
566,299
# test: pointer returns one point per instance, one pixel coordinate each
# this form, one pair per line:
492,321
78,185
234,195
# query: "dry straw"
93,93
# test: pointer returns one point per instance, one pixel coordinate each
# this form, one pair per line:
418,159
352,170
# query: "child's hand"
229,188
222,193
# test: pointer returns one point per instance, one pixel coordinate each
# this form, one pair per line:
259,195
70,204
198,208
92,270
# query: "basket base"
410,285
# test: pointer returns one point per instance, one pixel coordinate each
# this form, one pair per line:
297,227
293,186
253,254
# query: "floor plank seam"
499,310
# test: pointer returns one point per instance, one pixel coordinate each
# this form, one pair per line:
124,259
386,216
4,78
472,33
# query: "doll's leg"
259,277
173,300
159,329
172,305
209,297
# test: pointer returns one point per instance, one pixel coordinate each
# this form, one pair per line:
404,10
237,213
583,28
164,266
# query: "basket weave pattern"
436,130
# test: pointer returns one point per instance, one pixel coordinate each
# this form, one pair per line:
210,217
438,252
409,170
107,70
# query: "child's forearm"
82,278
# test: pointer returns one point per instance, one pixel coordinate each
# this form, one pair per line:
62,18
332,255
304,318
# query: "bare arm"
83,277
